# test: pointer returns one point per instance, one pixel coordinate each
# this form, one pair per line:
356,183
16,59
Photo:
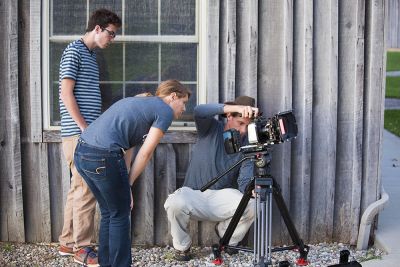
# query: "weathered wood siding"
393,24
11,184
325,60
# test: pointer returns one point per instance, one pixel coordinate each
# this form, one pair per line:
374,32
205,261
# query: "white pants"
212,205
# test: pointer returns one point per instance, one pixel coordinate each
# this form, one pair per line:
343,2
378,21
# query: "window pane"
134,89
115,6
129,68
110,93
56,50
178,17
179,61
110,62
188,114
69,17
141,17
142,62
54,105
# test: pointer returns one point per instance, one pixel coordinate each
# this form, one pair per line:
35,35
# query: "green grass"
393,61
392,121
7,247
393,87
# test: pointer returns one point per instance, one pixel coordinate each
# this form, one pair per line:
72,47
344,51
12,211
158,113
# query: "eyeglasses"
111,33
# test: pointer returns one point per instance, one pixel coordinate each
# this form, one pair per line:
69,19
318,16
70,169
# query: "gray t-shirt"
209,159
127,122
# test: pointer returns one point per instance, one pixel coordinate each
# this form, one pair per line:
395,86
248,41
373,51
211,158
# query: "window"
159,40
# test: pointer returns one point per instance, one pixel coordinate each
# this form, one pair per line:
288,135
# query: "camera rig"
262,134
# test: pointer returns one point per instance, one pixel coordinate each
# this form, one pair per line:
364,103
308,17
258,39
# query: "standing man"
80,104
208,160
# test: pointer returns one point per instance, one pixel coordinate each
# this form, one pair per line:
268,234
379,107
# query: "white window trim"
200,38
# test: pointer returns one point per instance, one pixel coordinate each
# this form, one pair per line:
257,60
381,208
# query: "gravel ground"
323,254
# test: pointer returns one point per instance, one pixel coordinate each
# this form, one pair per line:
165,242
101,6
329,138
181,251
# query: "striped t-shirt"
79,63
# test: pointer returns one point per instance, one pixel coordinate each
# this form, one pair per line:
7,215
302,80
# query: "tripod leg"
236,216
257,225
280,202
262,222
217,255
232,224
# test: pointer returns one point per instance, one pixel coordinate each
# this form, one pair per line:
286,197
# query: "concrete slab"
388,232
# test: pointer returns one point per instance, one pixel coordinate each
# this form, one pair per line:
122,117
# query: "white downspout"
367,218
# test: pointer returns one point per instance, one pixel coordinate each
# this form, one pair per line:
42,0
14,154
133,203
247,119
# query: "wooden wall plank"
275,87
207,236
35,88
393,20
183,156
143,209
212,51
33,157
324,113
375,71
247,45
165,184
59,184
170,137
397,28
11,197
37,201
302,107
227,51
349,125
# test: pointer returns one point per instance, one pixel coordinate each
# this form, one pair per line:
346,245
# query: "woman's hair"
172,86
144,94
103,18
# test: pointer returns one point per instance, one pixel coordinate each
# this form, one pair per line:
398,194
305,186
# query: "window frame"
199,38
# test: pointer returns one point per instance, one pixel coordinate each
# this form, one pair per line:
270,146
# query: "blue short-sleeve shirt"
127,122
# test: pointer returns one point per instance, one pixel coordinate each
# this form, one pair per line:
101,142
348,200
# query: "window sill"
171,137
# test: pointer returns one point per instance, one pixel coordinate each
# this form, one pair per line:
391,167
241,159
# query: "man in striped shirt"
80,104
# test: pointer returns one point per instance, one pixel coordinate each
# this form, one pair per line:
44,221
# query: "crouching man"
208,160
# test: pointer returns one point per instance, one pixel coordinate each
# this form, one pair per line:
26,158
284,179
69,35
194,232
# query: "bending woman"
99,158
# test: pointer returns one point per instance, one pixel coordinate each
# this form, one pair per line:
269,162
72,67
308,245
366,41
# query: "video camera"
262,132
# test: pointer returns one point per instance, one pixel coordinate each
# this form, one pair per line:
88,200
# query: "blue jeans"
107,177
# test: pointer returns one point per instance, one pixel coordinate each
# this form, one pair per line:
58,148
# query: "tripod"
264,187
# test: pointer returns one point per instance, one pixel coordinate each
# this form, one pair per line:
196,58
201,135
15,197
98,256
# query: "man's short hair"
103,17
